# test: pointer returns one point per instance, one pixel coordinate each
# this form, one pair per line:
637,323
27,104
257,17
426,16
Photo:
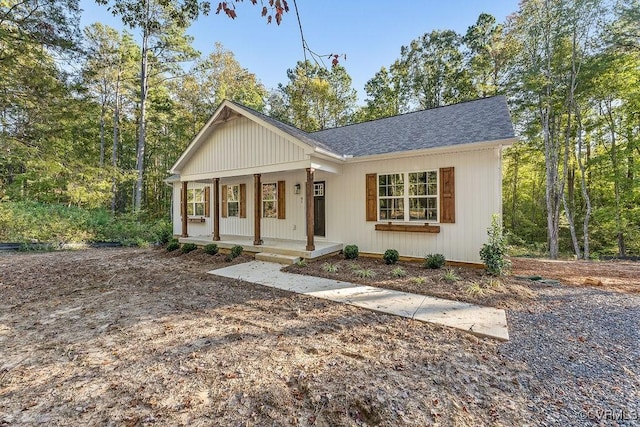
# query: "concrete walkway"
481,321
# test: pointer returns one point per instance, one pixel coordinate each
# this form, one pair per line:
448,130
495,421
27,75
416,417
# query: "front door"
318,209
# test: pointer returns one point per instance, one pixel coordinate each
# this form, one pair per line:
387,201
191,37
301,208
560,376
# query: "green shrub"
351,252
329,268
301,262
419,280
434,261
398,272
236,251
211,249
364,273
390,256
493,252
173,245
449,275
189,247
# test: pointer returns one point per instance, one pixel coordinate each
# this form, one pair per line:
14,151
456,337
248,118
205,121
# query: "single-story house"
422,182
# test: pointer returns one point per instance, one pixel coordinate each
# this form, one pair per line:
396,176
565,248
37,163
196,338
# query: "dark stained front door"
319,209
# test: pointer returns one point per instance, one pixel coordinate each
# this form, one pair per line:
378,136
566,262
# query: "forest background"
84,149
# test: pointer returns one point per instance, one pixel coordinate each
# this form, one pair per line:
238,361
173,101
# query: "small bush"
434,261
173,245
419,280
449,275
474,289
211,249
351,252
301,262
493,252
398,272
390,256
236,251
189,247
364,273
329,268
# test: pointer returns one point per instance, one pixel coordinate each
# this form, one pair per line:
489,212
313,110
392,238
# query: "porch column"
257,208
310,221
183,208
216,209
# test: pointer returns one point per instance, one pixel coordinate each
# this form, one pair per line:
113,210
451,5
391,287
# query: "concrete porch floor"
295,248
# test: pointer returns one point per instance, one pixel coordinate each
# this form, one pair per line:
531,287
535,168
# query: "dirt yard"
145,337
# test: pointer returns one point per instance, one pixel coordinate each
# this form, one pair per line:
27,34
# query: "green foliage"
329,268
173,245
315,98
474,289
301,262
236,251
419,280
398,272
189,247
350,252
59,224
364,273
494,252
450,275
434,261
390,256
210,249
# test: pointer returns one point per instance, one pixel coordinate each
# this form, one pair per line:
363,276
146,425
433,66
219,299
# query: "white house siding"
477,197
292,227
193,228
241,144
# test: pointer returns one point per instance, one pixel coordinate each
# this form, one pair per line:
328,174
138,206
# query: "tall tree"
435,70
162,25
315,97
489,51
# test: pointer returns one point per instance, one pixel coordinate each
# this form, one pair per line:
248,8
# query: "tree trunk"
114,147
622,251
583,187
144,84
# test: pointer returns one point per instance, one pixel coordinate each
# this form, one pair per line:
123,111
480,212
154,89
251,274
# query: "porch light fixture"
296,189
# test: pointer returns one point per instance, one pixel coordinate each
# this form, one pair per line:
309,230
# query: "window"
408,196
233,200
195,202
269,200
423,196
391,193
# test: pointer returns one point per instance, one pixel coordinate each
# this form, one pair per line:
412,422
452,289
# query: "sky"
369,32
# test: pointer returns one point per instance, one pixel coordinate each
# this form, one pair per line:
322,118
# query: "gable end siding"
241,144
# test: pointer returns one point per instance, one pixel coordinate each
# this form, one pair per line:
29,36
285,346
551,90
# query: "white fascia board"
474,146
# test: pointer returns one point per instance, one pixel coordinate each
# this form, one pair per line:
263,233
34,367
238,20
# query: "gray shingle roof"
481,120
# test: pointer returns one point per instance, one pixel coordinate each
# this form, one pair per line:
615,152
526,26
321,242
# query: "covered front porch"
295,248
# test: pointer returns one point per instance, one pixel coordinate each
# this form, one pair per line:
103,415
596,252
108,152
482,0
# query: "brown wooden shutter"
224,201
281,200
372,197
207,201
447,195
243,200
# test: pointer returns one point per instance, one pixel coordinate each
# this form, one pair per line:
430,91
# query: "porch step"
278,258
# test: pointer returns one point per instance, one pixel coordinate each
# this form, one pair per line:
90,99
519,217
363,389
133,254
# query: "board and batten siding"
241,144
193,228
291,227
477,197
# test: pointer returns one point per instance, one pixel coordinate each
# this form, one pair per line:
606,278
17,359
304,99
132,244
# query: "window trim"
195,202
406,197
274,200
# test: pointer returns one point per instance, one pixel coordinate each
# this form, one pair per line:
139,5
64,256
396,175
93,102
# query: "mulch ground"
146,337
